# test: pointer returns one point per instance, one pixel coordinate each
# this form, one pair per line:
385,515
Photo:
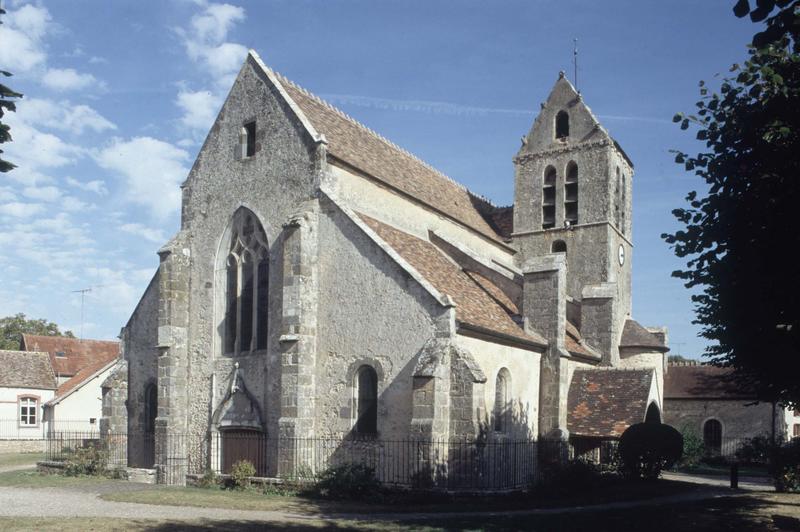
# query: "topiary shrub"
645,449
87,460
784,466
348,481
241,472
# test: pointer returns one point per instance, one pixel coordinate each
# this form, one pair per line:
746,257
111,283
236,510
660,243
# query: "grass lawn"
255,500
12,459
743,513
34,479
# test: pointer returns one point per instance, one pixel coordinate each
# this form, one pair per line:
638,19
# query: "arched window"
559,246
366,400
247,139
246,286
562,125
502,401
653,414
571,194
712,436
549,198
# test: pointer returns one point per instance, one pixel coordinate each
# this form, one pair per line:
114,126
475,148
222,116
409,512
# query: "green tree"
6,104
740,236
13,327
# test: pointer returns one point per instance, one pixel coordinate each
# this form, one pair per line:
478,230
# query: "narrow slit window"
562,125
367,401
250,139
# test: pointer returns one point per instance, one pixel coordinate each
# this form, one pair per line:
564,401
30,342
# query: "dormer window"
247,139
562,125
60,354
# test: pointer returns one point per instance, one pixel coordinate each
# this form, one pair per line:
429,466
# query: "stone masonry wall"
739,419
370,312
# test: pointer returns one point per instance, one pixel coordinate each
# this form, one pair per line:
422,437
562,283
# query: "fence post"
735,475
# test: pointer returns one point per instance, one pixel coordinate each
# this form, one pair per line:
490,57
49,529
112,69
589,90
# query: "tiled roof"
634,335
476,298
702,382
574,344
84,374
25,369
604,402
76,353
365,150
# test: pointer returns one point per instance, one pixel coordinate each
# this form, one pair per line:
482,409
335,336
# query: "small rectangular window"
92,420
250,132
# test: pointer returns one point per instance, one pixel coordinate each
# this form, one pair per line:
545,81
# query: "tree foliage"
740,237
13,327
6,104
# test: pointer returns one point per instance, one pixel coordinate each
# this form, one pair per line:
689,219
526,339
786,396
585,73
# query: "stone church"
325,283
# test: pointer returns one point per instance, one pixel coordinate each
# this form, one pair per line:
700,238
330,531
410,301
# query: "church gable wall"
272,183
370,312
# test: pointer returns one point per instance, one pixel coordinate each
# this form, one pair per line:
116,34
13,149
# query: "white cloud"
206,40
199,108
21,33
69,79
48,193
152,170
97,186
73,204
63,115
153,235
7,194
18,209
36,149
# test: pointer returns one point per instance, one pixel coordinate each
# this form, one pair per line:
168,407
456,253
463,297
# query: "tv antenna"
83,292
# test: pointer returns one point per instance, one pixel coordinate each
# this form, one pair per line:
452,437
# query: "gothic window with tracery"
246,286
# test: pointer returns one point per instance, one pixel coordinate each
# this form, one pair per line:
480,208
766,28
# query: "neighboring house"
69,355
77,405
703,399
80,366
27,382
327,283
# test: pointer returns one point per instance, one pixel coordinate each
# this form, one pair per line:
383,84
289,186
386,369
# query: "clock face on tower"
621,255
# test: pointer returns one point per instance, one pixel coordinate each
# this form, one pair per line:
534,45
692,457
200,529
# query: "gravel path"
745,483
60,502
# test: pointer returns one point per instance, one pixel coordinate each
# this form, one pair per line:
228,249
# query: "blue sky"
119,95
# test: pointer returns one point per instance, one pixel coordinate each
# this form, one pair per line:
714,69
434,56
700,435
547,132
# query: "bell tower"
573,187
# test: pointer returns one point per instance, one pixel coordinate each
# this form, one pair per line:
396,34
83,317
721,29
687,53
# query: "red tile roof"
478,301
701,381
360,147
24,369
603,403
76,353
84,374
